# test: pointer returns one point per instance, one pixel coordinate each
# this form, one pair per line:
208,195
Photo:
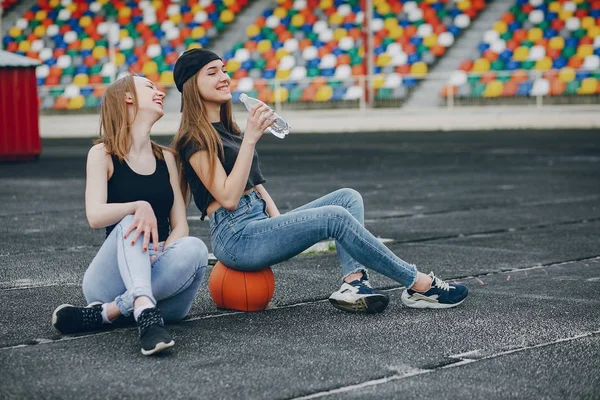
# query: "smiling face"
150,99
213,83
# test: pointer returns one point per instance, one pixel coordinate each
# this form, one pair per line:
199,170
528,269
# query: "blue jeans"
122,272
246,239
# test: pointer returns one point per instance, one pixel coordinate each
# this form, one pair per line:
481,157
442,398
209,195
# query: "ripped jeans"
122,272
246,239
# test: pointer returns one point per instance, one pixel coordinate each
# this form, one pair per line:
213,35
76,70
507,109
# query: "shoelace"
90,317
149,318
437,282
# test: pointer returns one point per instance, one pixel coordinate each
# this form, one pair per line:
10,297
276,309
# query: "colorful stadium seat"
72,40
547,47
302,40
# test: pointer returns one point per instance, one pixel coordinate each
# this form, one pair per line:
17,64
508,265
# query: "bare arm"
272,209
228,189
100,213
179,225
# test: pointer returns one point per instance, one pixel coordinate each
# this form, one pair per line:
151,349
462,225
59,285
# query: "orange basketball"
241,291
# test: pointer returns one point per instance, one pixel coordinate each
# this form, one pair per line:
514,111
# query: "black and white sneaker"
153,334
359,296
441,294
70,319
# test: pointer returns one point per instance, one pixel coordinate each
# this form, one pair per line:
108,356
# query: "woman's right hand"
257,122
144,221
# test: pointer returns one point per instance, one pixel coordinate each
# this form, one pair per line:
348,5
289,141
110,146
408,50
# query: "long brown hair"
115,129
195,127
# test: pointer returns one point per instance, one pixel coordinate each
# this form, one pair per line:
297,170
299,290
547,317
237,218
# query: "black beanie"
190,62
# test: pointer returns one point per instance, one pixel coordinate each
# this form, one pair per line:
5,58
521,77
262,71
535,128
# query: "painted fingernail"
132,243
145,249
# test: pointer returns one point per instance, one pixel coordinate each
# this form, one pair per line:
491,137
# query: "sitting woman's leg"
352,201
177,273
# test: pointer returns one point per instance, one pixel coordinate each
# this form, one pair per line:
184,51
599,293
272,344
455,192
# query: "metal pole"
1,12
369,18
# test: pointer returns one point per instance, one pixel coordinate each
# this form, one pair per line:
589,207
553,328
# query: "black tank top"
126,186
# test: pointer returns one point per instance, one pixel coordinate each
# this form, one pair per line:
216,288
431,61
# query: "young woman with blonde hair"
221,168
147,261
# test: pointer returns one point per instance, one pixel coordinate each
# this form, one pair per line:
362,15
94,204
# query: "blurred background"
305,54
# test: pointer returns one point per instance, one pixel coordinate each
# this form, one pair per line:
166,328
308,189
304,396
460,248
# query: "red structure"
19,108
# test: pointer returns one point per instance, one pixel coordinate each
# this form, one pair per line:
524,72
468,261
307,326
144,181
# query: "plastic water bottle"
280,128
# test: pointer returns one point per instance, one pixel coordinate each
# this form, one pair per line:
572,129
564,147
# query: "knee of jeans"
353,195
126,222
336,211
194,251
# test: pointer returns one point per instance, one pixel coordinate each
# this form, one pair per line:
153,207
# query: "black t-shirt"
125,185
231,149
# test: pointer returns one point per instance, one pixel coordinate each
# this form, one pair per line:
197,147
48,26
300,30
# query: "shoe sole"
426,304
368,305
158,348
55,314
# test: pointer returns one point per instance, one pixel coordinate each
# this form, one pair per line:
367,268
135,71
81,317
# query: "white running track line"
463,361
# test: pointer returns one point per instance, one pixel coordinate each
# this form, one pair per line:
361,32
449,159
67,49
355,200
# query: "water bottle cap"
243,96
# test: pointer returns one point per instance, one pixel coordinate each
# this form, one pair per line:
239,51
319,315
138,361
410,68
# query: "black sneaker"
70,319
153,334
441,294
359,296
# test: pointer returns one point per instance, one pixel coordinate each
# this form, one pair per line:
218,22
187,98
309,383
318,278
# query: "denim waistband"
245,200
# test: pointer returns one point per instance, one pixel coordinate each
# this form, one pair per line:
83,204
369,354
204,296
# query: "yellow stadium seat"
166,77
566,74
500,27
555,7
390,23
233,65
588,22
297,20
85,21
339,33
227,16
149,67
24,46
199,31
14,32
593,31
463,5
280,12
283,74
378,81
76,103
396,33
588,86
535,34
99,52
544,64
564,14
87,43
175,18
325,4
39,31
324,93
481,65
557,42
81,79
585,50
430,40
521,53
493,89
335,19
419,69
264,45
383,59
281,52
119,59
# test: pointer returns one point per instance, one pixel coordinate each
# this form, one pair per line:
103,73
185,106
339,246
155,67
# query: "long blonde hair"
195,127
115,128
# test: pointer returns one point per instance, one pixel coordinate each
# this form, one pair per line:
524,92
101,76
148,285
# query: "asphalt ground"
515,215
